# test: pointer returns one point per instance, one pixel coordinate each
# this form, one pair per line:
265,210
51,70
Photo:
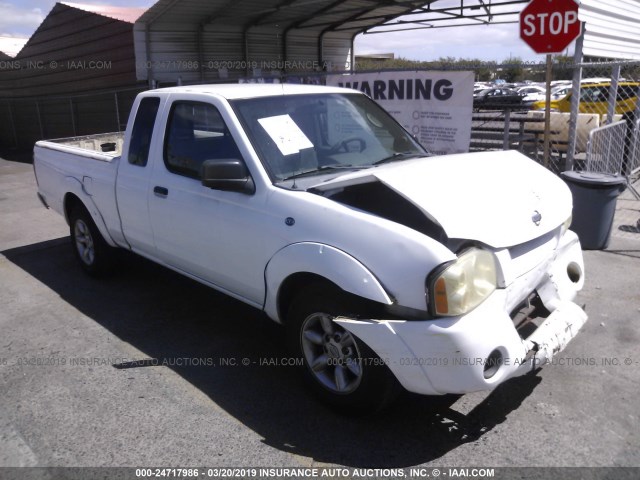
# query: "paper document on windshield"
286,133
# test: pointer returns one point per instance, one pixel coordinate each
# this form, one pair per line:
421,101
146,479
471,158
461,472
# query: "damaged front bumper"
483,348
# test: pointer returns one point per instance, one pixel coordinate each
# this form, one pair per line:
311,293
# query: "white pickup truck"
388,267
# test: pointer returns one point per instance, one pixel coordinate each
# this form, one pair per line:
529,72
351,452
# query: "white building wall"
612,28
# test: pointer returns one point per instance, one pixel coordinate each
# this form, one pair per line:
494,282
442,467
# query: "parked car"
559,92
481,85
386,267
531,93
594,98
496,98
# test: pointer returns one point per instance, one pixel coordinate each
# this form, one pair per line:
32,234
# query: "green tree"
484,70
513,69
562,67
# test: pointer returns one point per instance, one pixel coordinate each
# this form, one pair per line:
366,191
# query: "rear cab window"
143,130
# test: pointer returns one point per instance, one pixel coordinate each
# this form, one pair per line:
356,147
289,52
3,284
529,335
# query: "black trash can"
594,206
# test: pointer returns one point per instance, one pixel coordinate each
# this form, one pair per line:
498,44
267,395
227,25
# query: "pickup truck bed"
109,143
96,156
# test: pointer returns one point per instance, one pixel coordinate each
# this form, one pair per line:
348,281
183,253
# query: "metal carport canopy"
204,40
195,41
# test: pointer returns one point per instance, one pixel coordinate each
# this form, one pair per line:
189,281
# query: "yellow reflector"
442,304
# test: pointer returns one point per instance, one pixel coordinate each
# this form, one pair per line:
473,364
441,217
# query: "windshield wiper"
324,168
398,156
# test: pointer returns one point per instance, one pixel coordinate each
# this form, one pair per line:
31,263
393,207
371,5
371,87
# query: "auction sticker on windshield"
286,134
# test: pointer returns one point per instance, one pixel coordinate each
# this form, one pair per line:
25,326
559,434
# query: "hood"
499,198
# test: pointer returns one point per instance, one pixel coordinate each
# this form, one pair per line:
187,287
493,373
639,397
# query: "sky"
484,42
20,18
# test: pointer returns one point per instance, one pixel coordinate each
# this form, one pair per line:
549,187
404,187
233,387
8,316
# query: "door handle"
162,191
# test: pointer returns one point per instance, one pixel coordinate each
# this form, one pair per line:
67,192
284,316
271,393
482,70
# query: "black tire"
353,379
95,255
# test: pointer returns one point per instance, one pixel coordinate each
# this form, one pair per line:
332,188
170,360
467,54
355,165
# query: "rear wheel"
95,255
341,369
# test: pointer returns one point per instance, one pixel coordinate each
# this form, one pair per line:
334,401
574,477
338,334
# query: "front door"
209,234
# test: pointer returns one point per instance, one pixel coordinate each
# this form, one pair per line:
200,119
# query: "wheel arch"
293,284
298,265
72,200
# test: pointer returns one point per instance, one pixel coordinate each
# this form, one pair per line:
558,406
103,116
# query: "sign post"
549,26
547,111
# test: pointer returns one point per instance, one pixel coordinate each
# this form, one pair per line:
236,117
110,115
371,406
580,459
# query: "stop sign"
549,26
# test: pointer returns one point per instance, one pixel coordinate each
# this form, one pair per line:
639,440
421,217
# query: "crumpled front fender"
325,261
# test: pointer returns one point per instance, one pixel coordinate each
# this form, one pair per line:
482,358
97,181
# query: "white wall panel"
612,28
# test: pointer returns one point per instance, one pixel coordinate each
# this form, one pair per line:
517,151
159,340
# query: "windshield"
311,134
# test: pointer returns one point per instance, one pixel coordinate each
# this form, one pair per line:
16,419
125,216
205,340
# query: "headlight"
566,225
463,284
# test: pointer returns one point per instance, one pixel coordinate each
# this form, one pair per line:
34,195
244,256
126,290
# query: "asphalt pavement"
148,368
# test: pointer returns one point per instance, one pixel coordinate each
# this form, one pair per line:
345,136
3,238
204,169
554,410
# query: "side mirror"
228,174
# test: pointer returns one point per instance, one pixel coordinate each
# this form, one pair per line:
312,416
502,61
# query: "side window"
196,132
603,94
142,130
588,94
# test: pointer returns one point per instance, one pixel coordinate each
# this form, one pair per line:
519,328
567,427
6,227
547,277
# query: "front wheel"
341,369
94,254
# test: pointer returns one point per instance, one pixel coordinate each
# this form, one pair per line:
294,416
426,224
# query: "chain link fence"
606,149
606,126
634,149
609,103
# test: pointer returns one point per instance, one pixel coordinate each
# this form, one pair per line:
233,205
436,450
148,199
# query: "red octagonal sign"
549,26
